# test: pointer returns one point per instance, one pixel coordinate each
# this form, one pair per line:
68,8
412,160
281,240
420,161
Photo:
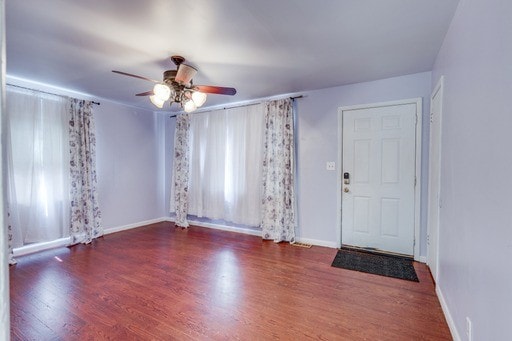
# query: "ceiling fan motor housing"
169,77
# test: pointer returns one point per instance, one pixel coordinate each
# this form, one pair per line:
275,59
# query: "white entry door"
378,177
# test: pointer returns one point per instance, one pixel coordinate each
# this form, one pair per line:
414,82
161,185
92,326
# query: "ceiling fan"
177,87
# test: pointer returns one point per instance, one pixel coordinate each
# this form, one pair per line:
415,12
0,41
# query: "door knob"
346,190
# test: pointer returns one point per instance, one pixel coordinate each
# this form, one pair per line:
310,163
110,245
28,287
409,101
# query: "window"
38,167
226,164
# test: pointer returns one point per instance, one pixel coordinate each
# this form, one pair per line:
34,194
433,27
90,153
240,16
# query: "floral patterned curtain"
278,203
85,213
10,237
181,169
11,194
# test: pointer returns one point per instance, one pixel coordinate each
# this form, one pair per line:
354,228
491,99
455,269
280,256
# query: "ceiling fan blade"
131,75
220,90
185,74
147,93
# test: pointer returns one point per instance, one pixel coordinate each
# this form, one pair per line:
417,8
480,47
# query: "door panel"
362,214
362,162
379,153
390,161
389,213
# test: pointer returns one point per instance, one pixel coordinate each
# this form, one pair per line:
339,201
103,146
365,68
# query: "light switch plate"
330,165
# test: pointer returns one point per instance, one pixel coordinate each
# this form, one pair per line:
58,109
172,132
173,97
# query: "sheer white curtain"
37,167
225,166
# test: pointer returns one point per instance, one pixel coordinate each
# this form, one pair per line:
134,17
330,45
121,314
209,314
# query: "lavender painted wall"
475,247
129,164
318,143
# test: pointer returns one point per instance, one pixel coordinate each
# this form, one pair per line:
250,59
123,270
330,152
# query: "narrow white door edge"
417,188
439,88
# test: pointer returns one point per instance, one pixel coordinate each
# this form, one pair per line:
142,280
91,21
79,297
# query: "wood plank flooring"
163,283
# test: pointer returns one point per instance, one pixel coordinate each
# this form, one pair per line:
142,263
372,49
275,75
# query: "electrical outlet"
330,166
469,329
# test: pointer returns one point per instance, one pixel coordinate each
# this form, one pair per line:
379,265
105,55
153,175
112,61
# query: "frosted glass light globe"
199,98
189,106
158,102
162,91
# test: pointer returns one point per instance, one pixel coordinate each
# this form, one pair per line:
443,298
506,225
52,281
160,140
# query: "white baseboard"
254,232
221,227
447,315
29,249
317,242
134,225
423,259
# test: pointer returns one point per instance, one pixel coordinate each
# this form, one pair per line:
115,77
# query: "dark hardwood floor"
163,283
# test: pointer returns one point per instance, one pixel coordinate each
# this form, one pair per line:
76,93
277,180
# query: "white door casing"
380,149
4,243
434,178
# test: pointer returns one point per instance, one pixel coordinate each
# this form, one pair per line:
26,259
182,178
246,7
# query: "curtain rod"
45,92
244,105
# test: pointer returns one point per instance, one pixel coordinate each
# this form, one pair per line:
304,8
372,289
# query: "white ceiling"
260,47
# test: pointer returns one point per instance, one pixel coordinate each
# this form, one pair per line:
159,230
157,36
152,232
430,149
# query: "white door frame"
417,187
5,326
434,200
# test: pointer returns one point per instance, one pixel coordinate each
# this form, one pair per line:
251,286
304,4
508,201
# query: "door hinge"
415,181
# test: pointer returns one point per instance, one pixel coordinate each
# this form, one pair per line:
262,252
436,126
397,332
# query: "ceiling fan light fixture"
199,98
177,87
162,92
157,101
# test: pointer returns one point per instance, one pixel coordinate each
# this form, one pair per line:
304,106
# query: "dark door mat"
378,264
